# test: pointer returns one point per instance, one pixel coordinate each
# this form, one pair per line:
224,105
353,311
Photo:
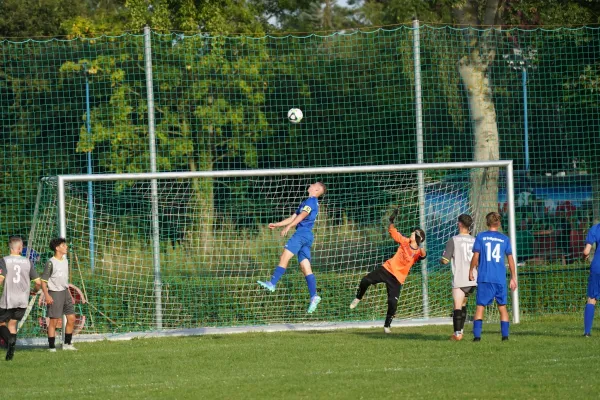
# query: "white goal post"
63,180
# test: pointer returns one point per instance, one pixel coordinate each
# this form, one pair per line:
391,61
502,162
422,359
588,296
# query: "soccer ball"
295,115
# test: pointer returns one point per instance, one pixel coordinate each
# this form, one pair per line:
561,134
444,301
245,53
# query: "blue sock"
311,281
477,327
504,328
588,318
277,274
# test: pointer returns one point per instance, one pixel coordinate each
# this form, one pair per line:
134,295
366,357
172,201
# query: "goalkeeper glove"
393,216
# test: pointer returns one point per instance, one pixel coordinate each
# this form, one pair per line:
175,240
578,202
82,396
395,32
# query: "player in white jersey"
55,285
16,274
459,251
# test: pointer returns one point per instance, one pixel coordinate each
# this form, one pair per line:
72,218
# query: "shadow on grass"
565,334
399,335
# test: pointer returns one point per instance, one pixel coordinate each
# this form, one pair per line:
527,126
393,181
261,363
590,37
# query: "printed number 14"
495,254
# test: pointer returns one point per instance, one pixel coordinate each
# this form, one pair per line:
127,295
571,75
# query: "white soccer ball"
295,115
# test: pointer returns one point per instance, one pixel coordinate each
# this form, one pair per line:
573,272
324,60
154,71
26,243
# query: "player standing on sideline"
488,256
394,271
459,251
300,242
55,285
593,289
16,273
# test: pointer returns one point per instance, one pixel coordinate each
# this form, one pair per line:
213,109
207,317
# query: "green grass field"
545,359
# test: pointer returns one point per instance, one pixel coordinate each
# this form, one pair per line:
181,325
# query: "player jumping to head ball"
300,242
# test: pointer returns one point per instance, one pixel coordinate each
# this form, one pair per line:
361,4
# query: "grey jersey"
18,272
459,250
56,274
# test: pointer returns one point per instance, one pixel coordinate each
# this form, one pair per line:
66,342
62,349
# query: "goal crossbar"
62,181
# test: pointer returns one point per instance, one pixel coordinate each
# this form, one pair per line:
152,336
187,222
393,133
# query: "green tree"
209,93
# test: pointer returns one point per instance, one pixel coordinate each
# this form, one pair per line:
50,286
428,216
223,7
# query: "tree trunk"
203,200
484,183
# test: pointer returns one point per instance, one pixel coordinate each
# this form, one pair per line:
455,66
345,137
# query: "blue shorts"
300,243
487,292
593,291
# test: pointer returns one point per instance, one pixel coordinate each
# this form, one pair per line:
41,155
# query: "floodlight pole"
88,123
420,158
153,182
525,118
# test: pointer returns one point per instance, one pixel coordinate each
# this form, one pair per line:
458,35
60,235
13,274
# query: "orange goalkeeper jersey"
405,256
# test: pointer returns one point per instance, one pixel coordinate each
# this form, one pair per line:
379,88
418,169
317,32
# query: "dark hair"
493,219
419,235
54,243
465,220
14,239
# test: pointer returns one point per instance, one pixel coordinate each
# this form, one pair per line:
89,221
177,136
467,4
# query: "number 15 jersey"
492,247
459,252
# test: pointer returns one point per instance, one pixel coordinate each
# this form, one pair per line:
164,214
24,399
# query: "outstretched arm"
295,221
283,222
397,236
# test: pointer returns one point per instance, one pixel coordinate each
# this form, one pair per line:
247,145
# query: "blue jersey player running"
489,250
593,289
300,242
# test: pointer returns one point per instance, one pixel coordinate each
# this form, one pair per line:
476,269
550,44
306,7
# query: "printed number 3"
17,278
495,254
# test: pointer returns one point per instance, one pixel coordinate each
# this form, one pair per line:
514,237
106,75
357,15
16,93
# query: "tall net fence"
221,104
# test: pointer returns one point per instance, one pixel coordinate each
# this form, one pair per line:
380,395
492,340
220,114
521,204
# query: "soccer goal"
182,251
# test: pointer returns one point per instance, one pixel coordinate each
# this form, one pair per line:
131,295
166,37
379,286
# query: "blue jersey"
593,237
492,246
311,206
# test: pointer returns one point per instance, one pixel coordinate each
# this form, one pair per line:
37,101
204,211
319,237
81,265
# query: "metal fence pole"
153,183
420,173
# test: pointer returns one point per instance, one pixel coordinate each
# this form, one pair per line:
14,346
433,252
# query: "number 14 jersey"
492,247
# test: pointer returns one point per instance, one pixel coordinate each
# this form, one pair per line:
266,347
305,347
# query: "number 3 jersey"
459,250
18,272
492,247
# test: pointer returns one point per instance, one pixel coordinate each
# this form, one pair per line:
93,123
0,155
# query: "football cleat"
456,338
387,329
314,302
477,339
267,285
11,351
69,347
354,303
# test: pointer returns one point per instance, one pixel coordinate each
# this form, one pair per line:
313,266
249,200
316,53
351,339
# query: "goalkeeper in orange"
394,271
